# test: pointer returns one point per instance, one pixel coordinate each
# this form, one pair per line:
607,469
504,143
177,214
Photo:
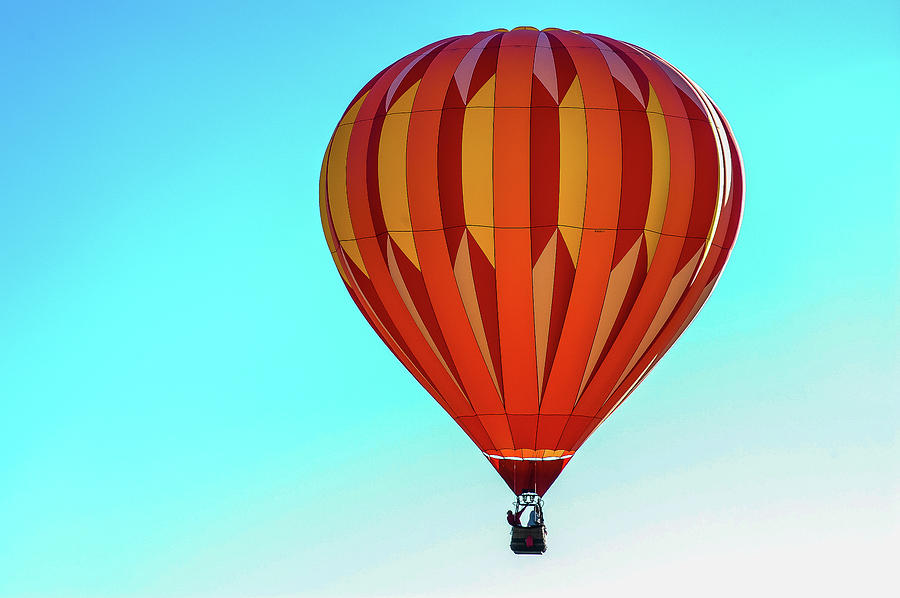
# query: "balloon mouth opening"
529,470
528,454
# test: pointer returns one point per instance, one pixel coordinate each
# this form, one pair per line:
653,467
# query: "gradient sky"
191,405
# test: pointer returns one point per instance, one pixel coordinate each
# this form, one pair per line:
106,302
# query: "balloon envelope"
529,219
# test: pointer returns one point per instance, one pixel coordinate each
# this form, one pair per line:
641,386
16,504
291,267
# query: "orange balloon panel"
529,219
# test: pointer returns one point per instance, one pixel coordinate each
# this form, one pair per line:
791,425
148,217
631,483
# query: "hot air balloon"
529,219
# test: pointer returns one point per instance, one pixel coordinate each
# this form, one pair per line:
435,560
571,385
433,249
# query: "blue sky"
191,406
